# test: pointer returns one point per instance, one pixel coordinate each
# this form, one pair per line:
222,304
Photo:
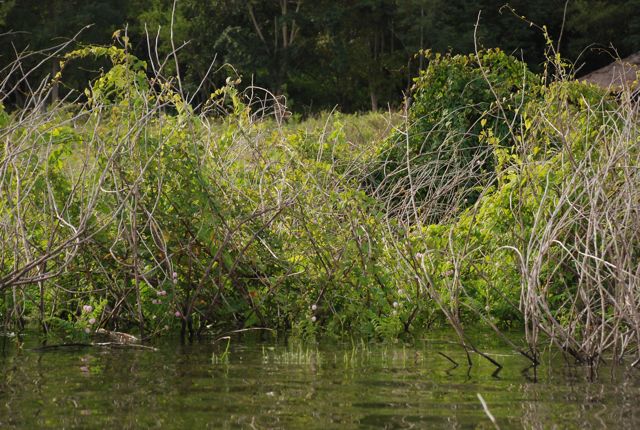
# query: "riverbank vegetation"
499,197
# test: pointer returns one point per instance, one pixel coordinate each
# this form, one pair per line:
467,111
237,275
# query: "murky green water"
270,385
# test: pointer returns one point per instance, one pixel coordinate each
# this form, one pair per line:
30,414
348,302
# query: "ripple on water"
266,385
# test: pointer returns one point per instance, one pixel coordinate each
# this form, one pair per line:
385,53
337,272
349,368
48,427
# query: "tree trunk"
374,98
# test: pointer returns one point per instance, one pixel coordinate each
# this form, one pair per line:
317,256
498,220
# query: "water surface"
272,384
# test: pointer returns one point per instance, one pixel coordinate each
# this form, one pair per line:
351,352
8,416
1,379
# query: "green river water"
265,384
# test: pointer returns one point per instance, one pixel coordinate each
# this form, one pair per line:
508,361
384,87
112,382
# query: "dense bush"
462,109
539,246
130,211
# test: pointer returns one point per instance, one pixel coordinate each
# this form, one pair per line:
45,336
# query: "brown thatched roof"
617,75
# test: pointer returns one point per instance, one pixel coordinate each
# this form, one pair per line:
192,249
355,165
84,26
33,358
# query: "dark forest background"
354,54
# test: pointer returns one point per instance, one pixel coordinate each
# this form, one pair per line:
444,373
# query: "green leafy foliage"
464,109
133,211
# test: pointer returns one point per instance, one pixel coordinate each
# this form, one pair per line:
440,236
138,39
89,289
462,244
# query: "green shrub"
462,108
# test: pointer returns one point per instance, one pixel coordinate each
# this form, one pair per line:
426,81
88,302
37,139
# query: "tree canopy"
354,54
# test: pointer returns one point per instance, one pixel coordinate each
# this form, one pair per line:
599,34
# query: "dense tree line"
356,54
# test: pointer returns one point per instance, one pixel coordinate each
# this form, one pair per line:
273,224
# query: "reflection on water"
265,384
